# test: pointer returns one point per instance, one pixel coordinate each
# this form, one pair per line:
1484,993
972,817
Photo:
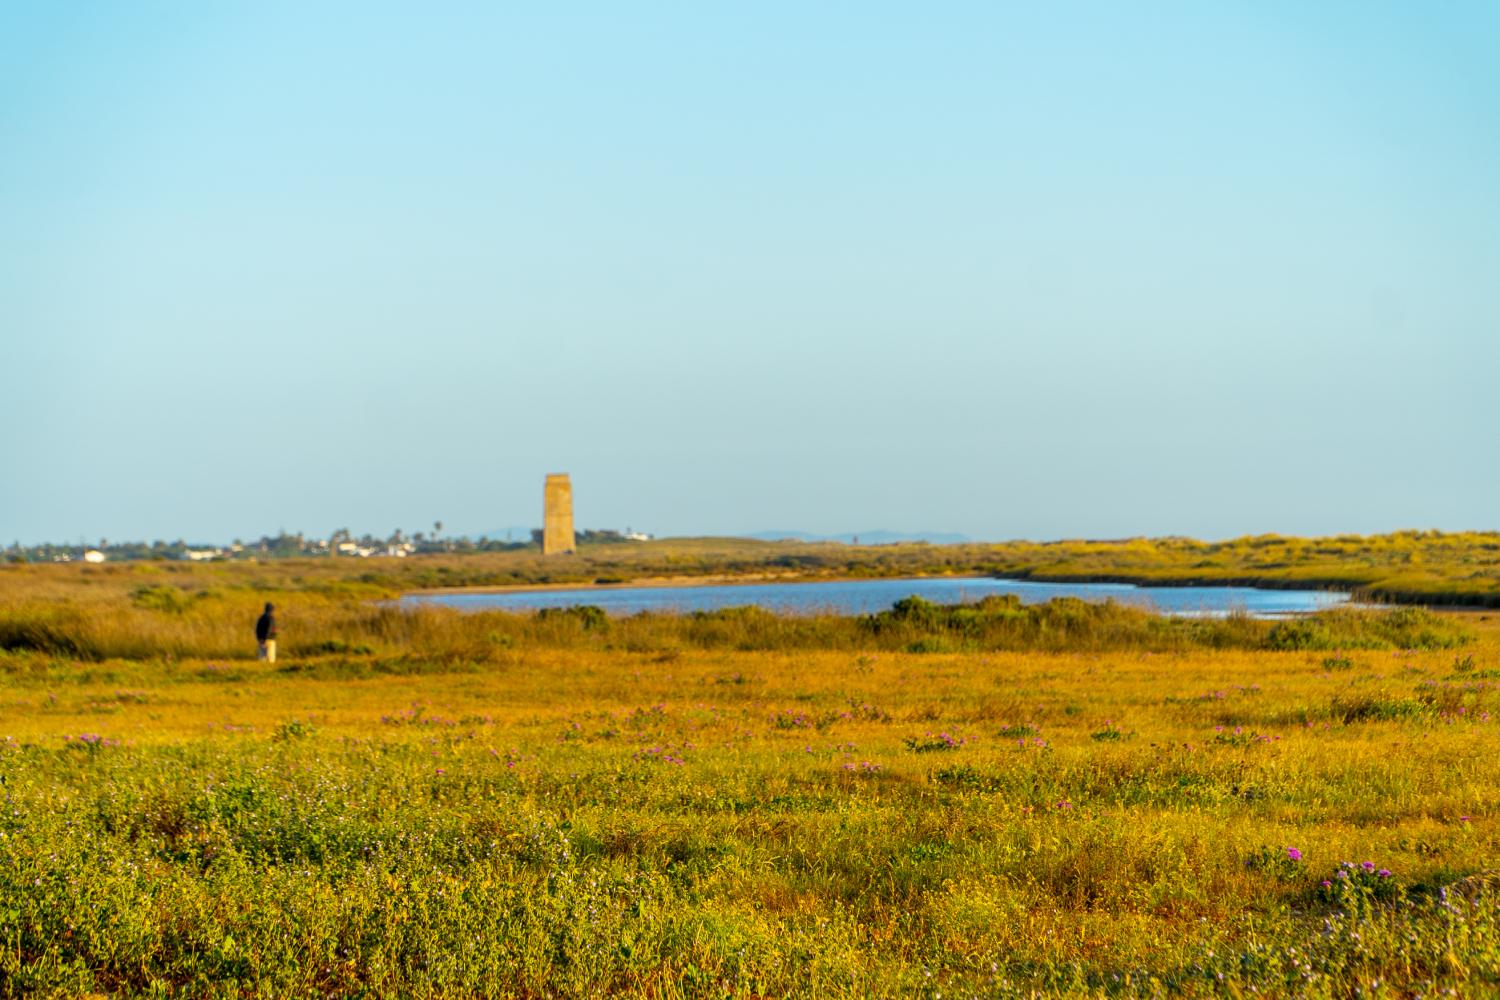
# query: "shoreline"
1355,594
709,580
765,579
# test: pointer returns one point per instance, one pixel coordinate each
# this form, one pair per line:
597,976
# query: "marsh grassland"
1055,803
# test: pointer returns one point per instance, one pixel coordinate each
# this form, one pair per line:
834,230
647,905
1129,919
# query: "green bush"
161,597
1342,628
590,617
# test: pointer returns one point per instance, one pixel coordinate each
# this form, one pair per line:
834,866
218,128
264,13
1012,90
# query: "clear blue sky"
1056,270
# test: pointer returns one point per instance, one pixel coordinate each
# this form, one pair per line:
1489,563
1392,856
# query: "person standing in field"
265,633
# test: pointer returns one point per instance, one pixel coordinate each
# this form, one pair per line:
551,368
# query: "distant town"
341,543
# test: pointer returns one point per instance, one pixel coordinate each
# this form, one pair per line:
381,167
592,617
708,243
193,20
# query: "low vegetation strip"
1411,567
156,623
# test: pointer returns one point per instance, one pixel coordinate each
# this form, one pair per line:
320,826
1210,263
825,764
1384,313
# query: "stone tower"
557,520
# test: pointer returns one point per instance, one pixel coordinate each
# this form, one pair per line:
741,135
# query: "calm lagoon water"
867,596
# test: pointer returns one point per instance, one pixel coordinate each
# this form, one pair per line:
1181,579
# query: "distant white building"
637,536
399,550
94,556
202,555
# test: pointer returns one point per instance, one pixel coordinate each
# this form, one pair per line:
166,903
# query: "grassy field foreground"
588,818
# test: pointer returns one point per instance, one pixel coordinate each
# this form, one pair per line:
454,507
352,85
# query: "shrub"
1344,628
1357,885
1020,731
1374,708
294,729
590,616
932,742
326,647
161,597
1282,863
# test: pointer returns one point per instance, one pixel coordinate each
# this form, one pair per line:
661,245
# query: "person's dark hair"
270,606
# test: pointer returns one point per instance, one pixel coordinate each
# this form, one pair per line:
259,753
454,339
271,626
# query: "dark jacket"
265,627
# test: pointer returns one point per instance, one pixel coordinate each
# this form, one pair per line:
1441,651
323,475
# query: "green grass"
567,821
1068,800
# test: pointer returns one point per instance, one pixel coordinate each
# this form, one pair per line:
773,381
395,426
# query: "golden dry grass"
560,815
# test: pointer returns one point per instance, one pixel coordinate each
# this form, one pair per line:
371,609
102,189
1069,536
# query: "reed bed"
162,621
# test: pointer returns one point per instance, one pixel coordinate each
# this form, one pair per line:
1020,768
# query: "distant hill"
864,537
